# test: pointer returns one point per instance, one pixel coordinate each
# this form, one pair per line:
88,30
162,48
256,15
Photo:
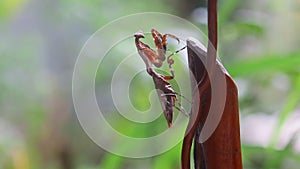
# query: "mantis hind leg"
180,108
177,94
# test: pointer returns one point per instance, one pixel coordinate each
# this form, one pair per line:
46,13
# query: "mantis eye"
139,34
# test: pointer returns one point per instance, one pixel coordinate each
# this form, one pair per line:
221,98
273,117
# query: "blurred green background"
40,40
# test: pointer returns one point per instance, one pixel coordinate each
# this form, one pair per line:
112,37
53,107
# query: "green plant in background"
9,7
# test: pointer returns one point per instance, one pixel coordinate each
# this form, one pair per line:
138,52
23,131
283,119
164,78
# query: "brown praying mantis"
166,94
